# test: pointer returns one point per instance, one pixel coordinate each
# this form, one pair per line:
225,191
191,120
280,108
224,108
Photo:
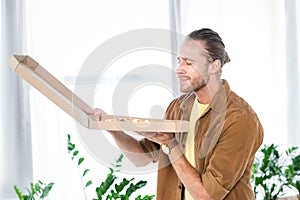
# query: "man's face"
192,69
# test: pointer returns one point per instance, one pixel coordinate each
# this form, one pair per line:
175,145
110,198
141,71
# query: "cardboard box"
32,72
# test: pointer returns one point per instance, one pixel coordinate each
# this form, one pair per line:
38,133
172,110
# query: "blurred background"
261,38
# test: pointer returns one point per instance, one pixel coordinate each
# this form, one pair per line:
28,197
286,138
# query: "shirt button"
183,145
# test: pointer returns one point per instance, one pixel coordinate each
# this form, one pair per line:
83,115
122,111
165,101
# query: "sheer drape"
292,18
15,136
175,25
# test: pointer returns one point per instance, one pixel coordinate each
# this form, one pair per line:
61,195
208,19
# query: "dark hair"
213,44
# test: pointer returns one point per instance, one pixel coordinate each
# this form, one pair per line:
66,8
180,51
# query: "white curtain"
292,18
176,26
15,135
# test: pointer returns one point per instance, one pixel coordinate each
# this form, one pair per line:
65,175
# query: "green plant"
109,188
273,172
292,171
75,154
267,173
36,191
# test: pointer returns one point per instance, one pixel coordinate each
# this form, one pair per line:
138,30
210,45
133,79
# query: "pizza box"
32,72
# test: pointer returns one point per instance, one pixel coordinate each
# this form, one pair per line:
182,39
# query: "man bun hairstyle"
213,44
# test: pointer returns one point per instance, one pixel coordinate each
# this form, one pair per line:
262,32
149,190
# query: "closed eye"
187,62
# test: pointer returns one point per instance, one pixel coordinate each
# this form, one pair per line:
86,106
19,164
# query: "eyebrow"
184,58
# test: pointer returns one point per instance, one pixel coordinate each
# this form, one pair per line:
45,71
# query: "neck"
205,94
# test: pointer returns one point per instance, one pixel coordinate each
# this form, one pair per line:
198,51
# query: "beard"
196,85
199,85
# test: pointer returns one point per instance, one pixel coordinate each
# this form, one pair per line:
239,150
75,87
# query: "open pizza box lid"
32,72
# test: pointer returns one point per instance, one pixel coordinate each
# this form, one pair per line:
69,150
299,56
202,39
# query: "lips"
183,79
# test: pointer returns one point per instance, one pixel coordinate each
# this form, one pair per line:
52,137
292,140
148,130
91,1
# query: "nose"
180,69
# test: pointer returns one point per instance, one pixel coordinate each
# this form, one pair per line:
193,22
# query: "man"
214,159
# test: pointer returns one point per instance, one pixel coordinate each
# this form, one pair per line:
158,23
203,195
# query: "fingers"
94,113
161,138
88,111
147,134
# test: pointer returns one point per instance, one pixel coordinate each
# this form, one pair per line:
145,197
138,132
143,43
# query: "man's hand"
94,113
158,137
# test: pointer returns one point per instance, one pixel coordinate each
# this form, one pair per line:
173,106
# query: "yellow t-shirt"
197,110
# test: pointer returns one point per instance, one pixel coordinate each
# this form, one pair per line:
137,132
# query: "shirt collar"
219,100
218,103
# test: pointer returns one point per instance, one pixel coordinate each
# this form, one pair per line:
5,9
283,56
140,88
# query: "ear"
215,66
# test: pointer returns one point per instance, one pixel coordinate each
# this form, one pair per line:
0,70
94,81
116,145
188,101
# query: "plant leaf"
18,192
133,187
85,172
80,160
46,190
121,186
75,153
88,183
71,147
105,185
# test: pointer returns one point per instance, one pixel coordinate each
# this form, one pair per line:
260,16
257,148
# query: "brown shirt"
227,137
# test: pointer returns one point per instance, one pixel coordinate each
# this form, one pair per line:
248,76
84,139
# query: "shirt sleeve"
231,156
151,149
